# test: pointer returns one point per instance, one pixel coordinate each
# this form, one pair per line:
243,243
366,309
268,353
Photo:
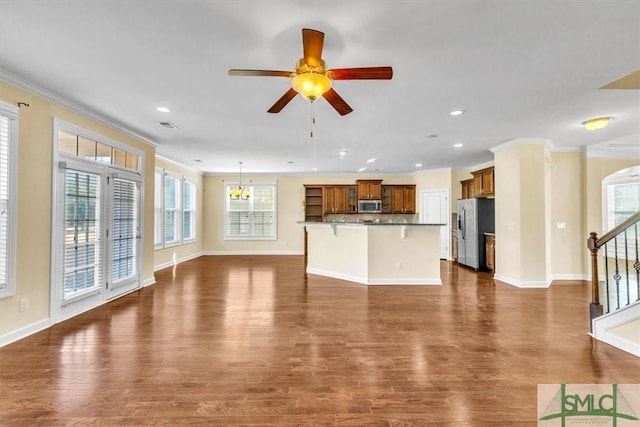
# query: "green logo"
589,406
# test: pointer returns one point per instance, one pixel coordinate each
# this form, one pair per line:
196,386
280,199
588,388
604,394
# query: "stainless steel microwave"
369,206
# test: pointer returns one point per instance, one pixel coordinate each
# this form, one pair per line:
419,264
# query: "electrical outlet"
561,225
24,304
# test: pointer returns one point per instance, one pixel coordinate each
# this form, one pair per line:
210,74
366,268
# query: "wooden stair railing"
594,243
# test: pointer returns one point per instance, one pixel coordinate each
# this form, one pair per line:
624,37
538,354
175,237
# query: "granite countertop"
412,224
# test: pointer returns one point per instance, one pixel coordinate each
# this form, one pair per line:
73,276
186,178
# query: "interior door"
123,234
435,210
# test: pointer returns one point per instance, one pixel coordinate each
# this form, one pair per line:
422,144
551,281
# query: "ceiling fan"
312,80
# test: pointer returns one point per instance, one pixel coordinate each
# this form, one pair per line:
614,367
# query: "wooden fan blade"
284,100
312,42
364,73
263,73
337,102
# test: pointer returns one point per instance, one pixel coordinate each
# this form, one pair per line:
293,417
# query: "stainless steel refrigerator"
475,217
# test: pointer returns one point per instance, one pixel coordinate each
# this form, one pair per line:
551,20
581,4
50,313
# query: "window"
254,218
157,208
188,211
8,157
175,202
172,209
83,147
622,199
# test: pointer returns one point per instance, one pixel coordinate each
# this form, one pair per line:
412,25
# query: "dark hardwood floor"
248,340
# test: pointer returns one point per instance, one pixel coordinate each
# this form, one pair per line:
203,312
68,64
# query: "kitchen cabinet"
369,189
398,199
467,188
454,245
483,182
490,247
313,203
339,199
387,202
481,185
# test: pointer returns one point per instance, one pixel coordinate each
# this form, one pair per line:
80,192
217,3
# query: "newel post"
595,308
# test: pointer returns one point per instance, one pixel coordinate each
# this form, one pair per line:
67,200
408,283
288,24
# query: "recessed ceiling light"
290,162
344,152
164,109
198,161
456,112
597,123
418,165
458,145
314,169
433,135
362,169
371,160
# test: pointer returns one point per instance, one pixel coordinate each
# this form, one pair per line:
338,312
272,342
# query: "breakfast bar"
375,253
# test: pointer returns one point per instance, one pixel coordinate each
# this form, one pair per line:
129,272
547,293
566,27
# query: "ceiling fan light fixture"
311,85
597,123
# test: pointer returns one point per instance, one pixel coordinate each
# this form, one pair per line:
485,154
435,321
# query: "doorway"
96,222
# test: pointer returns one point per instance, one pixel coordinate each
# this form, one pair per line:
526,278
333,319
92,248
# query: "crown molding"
612,153
522,141
483,165
181,165
60,100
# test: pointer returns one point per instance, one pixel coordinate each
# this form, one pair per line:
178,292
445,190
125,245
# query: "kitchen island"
375,253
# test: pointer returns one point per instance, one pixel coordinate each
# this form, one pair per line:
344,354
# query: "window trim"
193,210
160,188
11,112
178,210
250,188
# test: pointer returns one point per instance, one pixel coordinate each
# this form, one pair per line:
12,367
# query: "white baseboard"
582,277
24,332
291,252
149,281
177,261
374,282
603,326
520,283
405,282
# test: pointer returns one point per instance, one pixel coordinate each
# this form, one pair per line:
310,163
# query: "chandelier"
239,192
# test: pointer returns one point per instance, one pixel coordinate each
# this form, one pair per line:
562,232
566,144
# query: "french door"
97,239
123,235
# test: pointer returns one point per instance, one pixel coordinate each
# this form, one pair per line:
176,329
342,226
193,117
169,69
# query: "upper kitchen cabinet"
313,205
370,189
398,199
483,182
339,199
467,188
481,185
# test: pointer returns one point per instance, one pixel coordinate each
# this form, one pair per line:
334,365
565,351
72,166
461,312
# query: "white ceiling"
519,69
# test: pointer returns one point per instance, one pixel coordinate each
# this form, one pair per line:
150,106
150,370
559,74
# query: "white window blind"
8,156
188,211
157,208
172,209
254,218
125,230
82,249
